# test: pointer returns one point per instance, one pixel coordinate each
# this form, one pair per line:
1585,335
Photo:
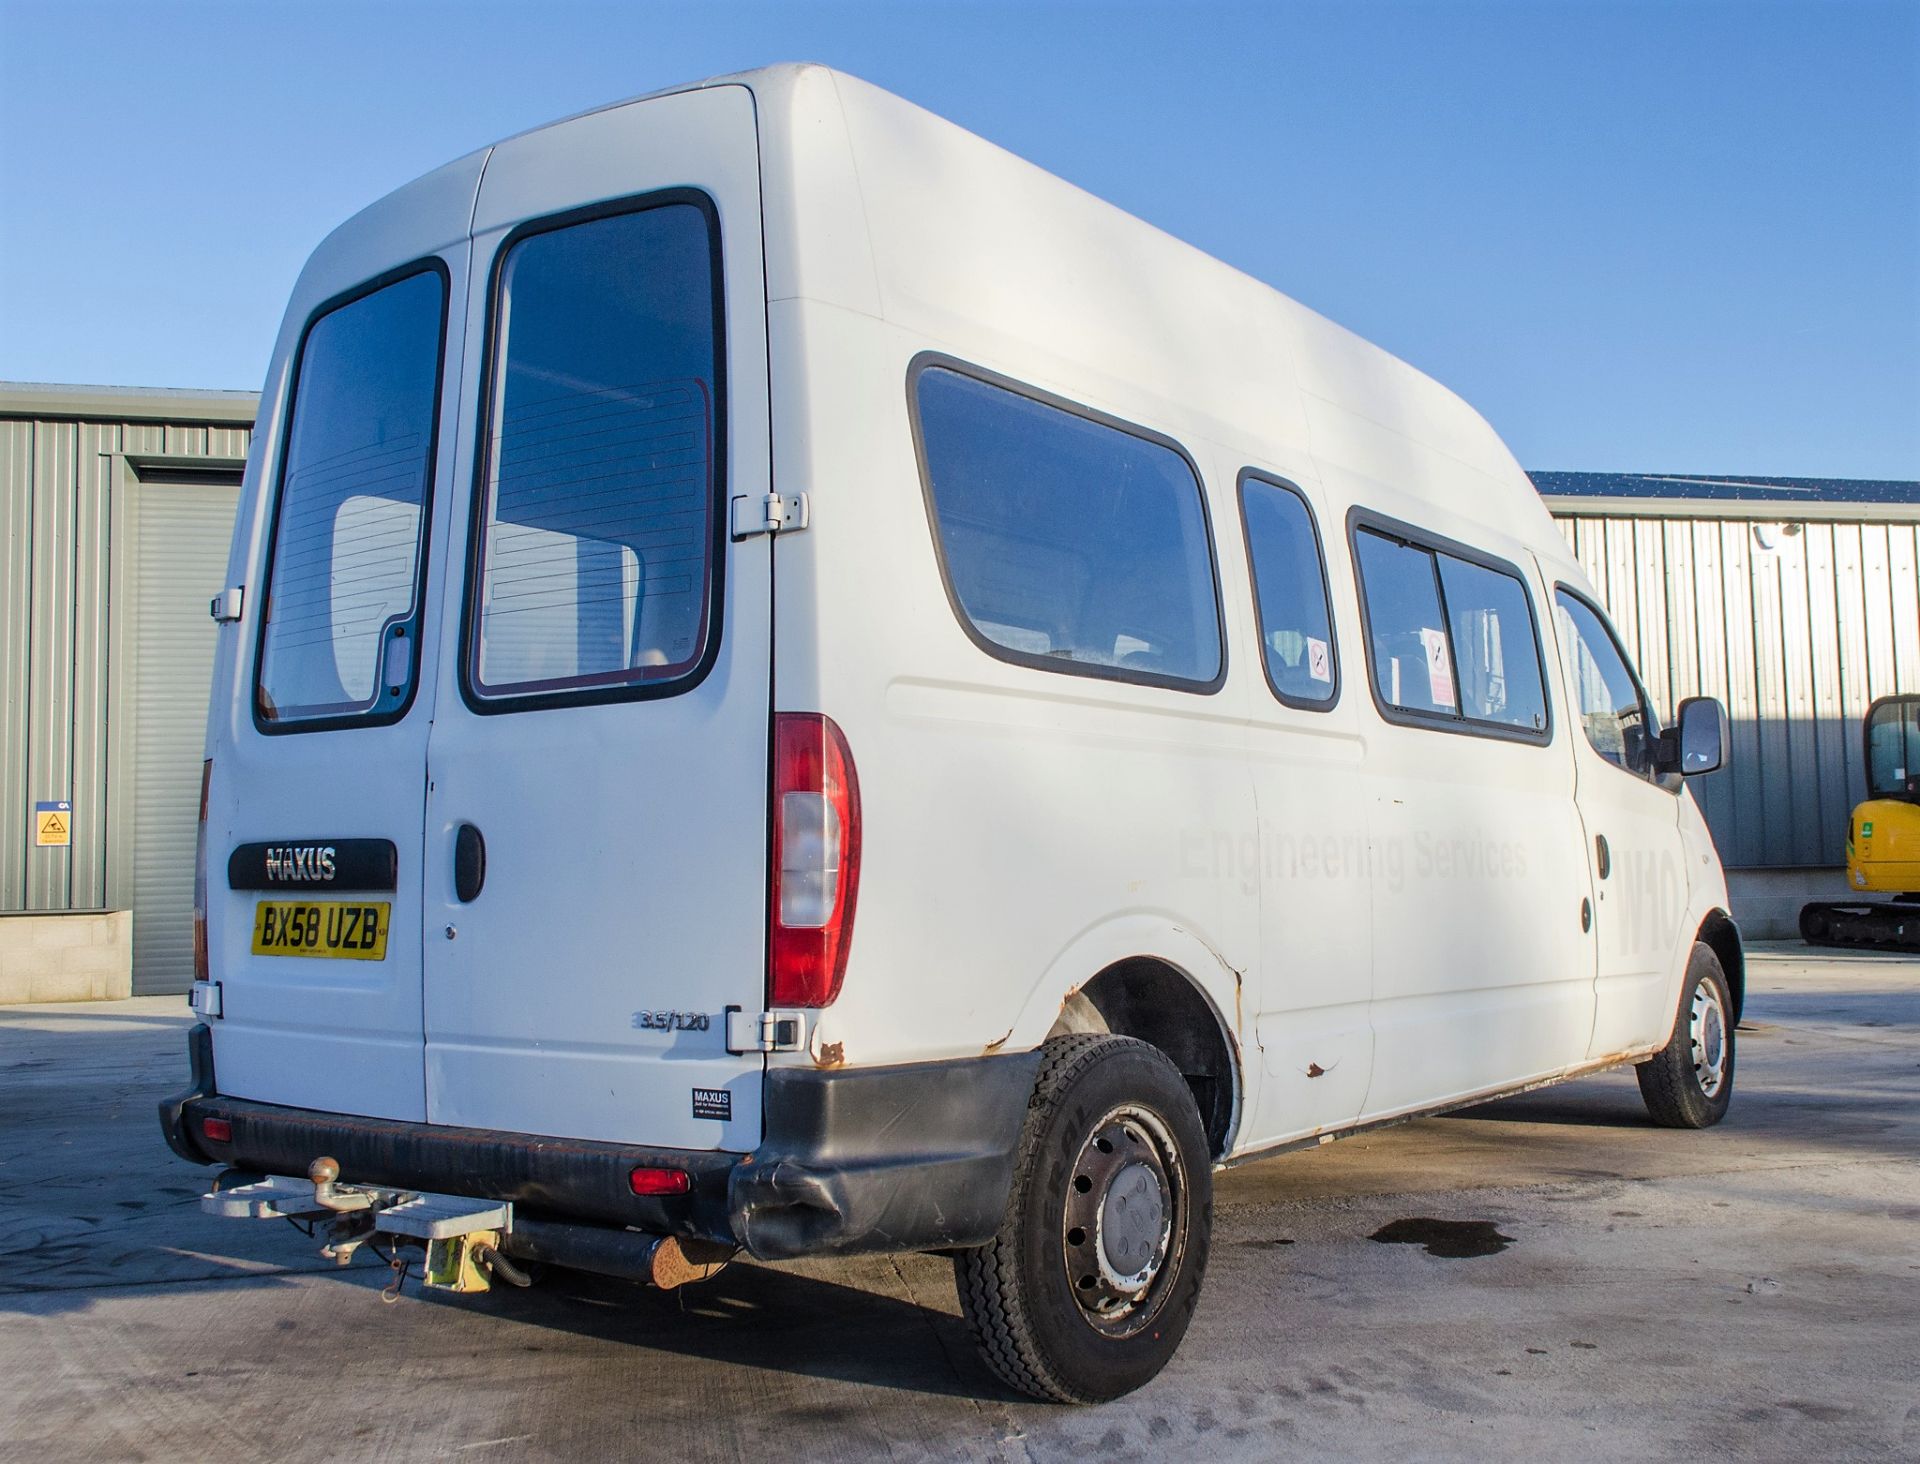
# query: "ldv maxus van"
792,684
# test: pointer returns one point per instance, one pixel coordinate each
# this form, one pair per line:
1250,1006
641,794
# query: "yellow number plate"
341,929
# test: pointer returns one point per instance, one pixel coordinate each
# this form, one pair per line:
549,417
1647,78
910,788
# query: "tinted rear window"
596,550
342,604
1069,543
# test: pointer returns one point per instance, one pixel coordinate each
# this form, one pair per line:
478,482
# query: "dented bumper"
913,1157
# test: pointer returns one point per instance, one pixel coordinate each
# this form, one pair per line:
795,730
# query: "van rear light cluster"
815,868
200,878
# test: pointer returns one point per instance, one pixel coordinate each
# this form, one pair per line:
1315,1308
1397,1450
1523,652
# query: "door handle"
469,863
1602,856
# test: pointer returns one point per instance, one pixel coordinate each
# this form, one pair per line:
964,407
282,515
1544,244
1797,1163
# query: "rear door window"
1070,542
339,639
597,540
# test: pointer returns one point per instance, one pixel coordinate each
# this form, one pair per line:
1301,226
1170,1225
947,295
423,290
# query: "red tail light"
815,870
200,878
648,1181
217,1130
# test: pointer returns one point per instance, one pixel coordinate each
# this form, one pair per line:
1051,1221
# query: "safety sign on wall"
52,825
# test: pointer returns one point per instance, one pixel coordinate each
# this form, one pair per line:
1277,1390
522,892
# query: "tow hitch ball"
466,1261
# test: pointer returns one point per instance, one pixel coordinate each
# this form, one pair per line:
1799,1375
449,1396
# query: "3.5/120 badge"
672,1021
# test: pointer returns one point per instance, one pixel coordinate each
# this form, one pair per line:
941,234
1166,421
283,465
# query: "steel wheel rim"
1707,1038
1124,1224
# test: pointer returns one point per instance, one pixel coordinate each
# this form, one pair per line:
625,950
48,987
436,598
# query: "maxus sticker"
713,1103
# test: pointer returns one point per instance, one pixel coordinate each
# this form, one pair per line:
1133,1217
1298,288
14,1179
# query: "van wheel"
1088,1287
1689,1082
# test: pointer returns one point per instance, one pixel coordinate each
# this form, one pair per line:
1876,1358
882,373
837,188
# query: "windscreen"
341,621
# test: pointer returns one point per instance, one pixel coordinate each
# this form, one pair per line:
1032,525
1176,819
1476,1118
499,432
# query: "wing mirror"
1699,740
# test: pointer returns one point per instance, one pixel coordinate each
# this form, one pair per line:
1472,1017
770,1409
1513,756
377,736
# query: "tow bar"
468,1242
461,1236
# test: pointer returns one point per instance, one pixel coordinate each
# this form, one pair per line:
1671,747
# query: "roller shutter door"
178,535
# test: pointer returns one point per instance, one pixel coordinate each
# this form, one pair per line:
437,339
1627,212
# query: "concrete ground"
1752,1292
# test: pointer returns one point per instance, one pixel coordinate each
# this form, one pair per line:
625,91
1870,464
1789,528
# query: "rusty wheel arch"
1147,998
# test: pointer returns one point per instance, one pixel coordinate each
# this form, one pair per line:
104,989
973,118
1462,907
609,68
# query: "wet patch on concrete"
1452,1240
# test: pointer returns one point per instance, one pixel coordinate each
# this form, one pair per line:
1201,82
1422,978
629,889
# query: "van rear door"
596,826
313,829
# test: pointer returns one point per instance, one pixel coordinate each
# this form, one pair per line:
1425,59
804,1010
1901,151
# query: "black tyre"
1087,1289
1689,1082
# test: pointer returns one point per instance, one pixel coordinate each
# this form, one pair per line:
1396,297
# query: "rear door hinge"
765,1031
768,513
225,606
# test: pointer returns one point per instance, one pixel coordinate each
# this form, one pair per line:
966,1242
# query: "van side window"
342,604
1068,542
1614,711
1290,593
595,555
1450,638
1495,654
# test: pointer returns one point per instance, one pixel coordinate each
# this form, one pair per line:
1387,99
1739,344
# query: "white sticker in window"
1439,669
1319,661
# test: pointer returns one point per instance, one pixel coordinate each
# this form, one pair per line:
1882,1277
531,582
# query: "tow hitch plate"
395,1212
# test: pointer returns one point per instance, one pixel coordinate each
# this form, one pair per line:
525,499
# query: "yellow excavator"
1883,841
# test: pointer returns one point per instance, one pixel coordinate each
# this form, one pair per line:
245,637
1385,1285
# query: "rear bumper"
913,1157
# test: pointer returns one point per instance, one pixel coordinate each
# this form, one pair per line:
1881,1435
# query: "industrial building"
1795,601
116,508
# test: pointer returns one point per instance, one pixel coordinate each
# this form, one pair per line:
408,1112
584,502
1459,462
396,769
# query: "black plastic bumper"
913,1157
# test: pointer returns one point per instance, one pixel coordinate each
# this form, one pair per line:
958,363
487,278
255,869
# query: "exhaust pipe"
665,1261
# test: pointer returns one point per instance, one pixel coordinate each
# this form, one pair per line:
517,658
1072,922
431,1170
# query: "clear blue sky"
1678,235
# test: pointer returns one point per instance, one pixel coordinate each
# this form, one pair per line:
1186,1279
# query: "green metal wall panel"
63,471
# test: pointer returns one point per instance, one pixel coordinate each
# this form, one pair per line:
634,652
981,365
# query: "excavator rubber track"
1886,925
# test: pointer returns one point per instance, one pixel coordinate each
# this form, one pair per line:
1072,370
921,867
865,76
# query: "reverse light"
200,878
649,1181
815,868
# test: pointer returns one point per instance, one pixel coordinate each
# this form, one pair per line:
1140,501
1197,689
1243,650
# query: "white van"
792,683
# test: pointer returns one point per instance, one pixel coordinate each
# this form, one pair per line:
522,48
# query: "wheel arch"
1165,986
1720,935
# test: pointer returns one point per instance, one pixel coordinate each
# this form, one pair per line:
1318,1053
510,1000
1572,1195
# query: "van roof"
876,205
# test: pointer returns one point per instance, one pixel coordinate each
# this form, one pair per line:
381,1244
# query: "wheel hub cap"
1131,1218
